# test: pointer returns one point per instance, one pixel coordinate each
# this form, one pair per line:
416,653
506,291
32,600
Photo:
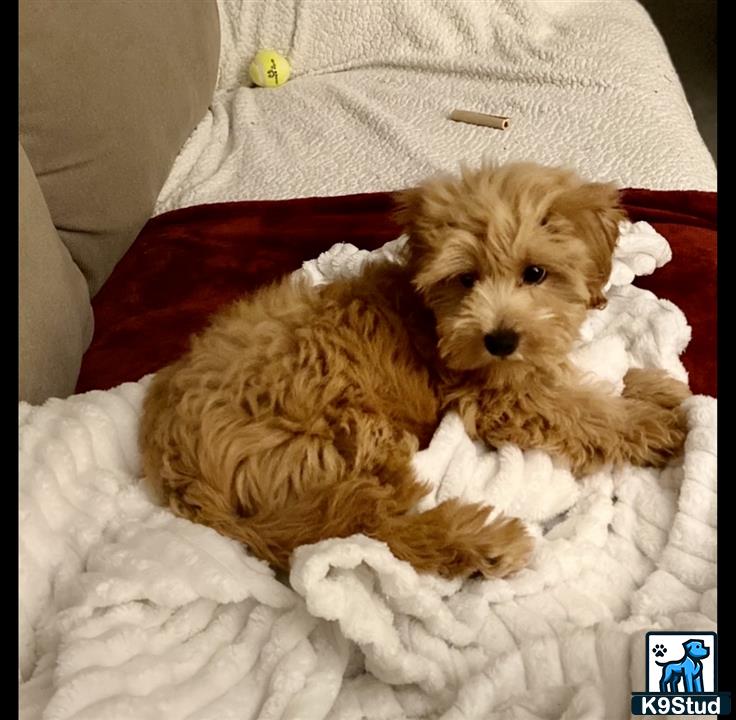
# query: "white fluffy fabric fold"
128,612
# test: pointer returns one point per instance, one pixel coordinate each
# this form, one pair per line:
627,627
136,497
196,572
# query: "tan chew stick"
474,118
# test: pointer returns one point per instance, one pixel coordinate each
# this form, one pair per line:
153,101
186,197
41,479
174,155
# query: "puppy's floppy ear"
409,213
594,210
407,204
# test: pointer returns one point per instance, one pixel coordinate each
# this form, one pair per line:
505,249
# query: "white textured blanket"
129,613
586,84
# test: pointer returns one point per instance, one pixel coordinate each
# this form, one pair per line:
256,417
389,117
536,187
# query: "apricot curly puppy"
295,415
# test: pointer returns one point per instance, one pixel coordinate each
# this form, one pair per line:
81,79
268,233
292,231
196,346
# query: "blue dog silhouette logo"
686,674
681,675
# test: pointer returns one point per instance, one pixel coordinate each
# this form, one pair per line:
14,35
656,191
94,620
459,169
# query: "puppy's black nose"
501,342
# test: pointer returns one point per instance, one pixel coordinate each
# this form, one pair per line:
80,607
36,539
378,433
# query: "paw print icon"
659,650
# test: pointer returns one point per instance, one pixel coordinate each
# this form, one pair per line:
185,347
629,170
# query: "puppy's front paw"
655,386
659,434
505,546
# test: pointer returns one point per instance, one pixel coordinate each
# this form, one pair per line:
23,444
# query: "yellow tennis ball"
269,69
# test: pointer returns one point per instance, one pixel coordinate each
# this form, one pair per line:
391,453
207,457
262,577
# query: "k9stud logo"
681,676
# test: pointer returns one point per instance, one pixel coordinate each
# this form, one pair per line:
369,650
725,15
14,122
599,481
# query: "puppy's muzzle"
502,342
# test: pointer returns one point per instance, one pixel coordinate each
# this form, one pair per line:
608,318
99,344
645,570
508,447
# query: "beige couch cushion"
55,316
109,92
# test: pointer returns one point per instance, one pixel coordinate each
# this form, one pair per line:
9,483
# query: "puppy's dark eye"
467,280
544,220
533,274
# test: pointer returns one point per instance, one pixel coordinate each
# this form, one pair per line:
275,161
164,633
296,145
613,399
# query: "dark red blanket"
188,263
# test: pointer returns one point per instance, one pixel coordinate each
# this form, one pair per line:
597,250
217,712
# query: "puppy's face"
509,260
